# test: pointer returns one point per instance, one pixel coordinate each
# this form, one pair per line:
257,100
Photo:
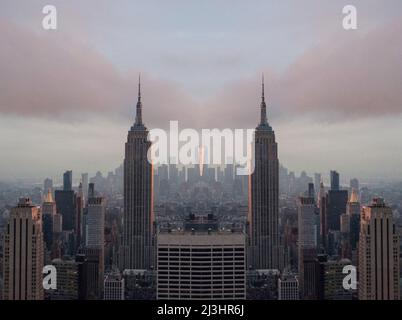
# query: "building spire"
138,116
263,105
263,89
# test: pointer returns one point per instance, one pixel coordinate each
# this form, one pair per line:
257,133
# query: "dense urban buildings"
201,232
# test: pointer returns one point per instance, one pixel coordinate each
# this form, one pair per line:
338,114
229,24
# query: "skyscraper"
68,180
307,241
334,180
264,197
47,185
95,223
23,253
317,181
336,206
137,244
84,181
79,209
378,253
48,212
65,203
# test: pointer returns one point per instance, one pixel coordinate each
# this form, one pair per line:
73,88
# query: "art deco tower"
23,253
264,197
138,216
378,253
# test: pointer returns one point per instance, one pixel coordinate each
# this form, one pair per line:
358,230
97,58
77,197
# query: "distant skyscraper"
79,209
307,240
354,185
65,203
137,244
84,181
336,206
47,185
48,212
68,181
23,253
306,222
353,212
264,197
334,180
317,181
322,199
95,223
378,253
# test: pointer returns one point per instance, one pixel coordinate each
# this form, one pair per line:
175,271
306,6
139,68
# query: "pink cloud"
349,76
50,75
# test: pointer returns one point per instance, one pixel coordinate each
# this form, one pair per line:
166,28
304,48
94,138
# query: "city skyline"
198,73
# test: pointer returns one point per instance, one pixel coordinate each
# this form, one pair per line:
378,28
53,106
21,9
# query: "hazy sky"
67,97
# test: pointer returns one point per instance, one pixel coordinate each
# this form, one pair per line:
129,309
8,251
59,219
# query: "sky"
67,96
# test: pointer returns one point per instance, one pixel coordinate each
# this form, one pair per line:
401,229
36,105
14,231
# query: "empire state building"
264,197
137,243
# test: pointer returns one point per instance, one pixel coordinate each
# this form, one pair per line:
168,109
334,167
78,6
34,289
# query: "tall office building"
353,212
68,180
137,243
48,212
95,223
264,197
201,264
91,270
84,181
65,202
317,181
23,253
306,223
79,216
322,199
334,180
378,253
336,200
307,241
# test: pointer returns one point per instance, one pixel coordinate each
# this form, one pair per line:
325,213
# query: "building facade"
378,253
264,197
23,253
201,265
137,247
